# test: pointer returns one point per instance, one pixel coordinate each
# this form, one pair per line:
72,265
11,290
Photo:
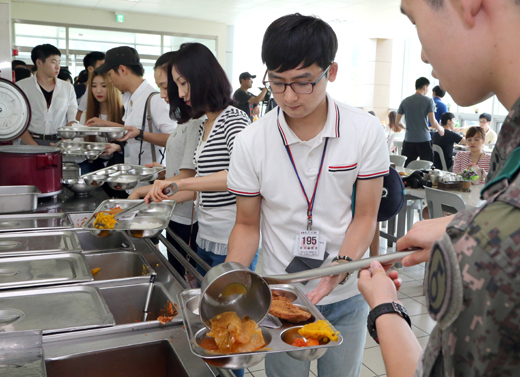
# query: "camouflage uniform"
473,279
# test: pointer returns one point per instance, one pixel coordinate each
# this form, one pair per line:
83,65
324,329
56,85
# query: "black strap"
147,116
390,307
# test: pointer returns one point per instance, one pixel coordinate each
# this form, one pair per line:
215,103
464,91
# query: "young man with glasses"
300,167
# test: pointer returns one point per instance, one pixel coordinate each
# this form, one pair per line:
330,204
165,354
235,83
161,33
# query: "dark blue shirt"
441,108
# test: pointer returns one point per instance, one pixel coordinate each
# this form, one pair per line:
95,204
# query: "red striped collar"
331,128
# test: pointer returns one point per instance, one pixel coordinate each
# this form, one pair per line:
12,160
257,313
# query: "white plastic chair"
437,149
419,165
397,159
399,145
439,202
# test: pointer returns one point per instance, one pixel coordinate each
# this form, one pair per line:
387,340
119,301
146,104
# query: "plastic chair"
419,165
397,159
399,145
439,202
437,149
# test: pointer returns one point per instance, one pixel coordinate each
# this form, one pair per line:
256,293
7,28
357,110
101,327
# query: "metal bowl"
79,187
91,155
123,182
67,134
254,303
95,180
102,233
68,145
95,147
122,167
143,220
302,353
114,135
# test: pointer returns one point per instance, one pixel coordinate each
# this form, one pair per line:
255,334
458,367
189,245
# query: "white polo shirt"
134,105
62,110
260,165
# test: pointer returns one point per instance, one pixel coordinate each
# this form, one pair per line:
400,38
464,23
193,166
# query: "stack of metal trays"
145,223
71,173
87,149
110,133
122,176
39,243
35,221
276,339
18,199
53,310
21,354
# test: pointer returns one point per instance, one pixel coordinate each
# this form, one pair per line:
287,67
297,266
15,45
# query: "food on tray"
105,219
145,225
233,335
300,342
319,330
282,308
234,289
95,270
167,314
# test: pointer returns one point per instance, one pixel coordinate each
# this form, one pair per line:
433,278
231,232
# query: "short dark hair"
83,76
21,73
420,82
92,57
16,63
438,91
472,131
42,52
136,69
446,117
485,116
295,40
164,60
210,89
65,74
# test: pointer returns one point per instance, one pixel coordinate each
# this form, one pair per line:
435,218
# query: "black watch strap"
390,307
343,259
140,136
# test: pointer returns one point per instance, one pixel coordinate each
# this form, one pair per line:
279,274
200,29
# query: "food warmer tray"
196,331
159,213
109,133
54,310
38,243
39,270
18,199
71,172
122,176
34,221
21,354
87,149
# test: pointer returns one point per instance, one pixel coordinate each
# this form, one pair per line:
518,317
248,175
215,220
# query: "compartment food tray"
110,133
87,149
37,243
122,176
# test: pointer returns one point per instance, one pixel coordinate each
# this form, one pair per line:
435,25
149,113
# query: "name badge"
307,244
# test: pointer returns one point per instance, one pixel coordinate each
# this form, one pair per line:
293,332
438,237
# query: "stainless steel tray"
21,354
110,133
87,149
34,221
196,331
39,270
34,243
159,213
18,198
54,310
122,176
71,172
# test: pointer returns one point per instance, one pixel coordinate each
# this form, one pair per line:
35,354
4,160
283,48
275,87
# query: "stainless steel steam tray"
110,133
18,199
21,354
39,270
87,149
53,310
71,172
122,176
37,243
277,340
34,221
147,222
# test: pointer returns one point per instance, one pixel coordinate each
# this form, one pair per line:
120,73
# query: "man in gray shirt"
418,108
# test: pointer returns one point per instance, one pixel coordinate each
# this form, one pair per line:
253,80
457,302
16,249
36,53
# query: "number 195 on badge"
309,242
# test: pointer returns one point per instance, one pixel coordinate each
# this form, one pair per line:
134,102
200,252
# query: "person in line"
18,63
180,149
53,101
475,158
393,128
418,109
123,66
91,61
471,287
21,73
247,101
65,75
440,107
446,141
294,173
484,121
80,85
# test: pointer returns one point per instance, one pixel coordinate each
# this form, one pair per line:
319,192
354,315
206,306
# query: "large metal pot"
32,165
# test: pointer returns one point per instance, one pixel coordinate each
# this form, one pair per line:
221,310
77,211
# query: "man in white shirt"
91,61
53,101
484,121
300,167
126,72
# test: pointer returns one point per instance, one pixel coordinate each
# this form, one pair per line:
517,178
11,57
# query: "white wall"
133,21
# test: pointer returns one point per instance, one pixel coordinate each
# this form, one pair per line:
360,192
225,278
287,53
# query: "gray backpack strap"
149,119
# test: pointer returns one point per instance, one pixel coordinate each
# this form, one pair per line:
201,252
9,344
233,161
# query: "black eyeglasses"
278,87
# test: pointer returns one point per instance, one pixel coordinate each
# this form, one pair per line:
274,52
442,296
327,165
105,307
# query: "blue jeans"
349,317
213,259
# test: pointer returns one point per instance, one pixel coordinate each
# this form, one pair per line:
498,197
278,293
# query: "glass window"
32,35
173,43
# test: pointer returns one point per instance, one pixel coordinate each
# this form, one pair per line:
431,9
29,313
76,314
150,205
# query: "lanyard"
310,203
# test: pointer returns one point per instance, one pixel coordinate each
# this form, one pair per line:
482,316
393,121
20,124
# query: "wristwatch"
390,307
343,259
140,136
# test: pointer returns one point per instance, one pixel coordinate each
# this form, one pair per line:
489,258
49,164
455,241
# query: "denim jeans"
349,317
213,259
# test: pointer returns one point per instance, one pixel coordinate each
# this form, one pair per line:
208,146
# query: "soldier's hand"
422,235
376,286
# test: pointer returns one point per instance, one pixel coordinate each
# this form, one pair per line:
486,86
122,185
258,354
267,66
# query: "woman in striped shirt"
475,158
198,87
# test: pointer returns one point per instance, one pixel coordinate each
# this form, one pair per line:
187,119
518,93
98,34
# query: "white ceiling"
381,15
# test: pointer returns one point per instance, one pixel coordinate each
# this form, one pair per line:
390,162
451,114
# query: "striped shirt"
463,160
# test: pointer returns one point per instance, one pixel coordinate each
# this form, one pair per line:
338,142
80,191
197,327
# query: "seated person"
474,158
484,121
446,141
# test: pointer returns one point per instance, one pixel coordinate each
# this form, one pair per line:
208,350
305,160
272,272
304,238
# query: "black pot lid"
15,111
28,149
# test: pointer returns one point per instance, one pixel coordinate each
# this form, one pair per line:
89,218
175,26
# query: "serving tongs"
132,208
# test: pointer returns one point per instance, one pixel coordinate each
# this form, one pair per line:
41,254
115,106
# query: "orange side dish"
300,342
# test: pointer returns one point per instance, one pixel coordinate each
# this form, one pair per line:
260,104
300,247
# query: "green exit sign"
120,17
